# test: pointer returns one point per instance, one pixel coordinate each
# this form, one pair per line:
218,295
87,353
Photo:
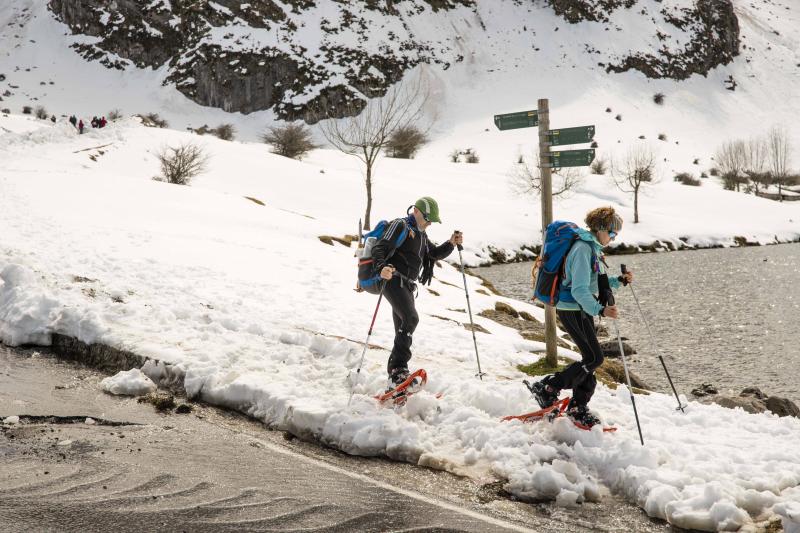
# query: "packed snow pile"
246,306
128,383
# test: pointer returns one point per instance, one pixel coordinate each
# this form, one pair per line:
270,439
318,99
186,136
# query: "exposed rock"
753,392
714,31
782,406
594,10
614,371
214,63
507,309
610,348
752,400
706,389
751,404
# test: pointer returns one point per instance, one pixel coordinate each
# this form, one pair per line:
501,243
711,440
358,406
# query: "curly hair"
603,218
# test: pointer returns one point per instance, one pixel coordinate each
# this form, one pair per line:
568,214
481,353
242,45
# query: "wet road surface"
132,468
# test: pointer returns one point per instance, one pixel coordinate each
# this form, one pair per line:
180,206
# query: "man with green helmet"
399,265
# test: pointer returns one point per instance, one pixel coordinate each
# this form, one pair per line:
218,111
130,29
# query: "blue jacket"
581,273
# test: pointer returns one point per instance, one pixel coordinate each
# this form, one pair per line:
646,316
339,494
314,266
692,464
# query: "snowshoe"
545,394
548,413
409,385
560,407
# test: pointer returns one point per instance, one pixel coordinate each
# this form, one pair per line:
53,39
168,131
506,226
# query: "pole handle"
460,247
624,269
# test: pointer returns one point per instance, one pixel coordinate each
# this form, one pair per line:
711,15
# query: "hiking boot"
545,394
398,376
581,415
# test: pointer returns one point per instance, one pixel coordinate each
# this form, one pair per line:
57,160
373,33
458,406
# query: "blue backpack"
549,268
368,279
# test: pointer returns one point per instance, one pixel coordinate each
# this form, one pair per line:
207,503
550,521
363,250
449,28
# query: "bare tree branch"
365,132
526,178
635,170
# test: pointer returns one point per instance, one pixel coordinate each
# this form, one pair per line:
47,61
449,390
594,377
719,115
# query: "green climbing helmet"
429,208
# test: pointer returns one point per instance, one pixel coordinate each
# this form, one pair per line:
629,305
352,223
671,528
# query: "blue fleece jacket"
580,277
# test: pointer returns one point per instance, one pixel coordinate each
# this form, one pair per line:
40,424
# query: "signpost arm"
547,218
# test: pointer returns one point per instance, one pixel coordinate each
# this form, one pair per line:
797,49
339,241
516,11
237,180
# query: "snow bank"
244,306
128,383
11,420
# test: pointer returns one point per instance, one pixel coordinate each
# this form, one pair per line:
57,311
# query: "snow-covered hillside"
249,310
511,53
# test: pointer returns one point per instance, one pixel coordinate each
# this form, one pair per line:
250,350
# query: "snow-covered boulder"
129,382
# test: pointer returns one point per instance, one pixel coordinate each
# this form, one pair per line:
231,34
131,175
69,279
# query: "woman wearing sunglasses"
586,280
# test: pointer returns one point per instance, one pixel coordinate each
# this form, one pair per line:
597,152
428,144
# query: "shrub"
642,137
182,163
153,120
6,111
696,161
687,179
455,156
598,166
608,110
658,98
594,144
619,117
703,175
27,110
291,140
662,136
405,142
471,156
226,132
714,172
114,114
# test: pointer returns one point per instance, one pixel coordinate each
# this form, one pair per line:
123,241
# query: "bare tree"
731,158
526,178
635,170
780,153
363,133
755,162
290,140
179,164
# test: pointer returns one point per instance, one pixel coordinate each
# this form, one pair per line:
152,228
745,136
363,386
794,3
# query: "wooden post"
547,218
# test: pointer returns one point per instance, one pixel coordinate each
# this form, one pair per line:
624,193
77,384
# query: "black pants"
400,294
579,376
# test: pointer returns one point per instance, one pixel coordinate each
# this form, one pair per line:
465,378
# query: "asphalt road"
137,469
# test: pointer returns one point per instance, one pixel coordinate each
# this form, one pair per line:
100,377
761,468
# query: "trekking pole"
625,366
366,343
653,342
469,308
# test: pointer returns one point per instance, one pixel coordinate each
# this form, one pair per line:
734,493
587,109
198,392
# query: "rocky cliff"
299,56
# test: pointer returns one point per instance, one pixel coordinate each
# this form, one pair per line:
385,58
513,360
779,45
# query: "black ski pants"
579,376
400,294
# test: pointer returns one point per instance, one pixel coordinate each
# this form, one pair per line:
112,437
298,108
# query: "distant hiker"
74,121
80,127
583,294
400,266
95,122
103,122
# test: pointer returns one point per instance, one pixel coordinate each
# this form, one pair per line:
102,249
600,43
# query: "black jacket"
413,253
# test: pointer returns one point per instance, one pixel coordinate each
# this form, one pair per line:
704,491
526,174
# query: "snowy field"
253,312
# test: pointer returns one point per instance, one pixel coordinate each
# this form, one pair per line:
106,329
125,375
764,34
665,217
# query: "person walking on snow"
400,267
583,291
80,127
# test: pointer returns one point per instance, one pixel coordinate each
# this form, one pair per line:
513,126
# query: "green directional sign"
521,119
582,134
570,158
